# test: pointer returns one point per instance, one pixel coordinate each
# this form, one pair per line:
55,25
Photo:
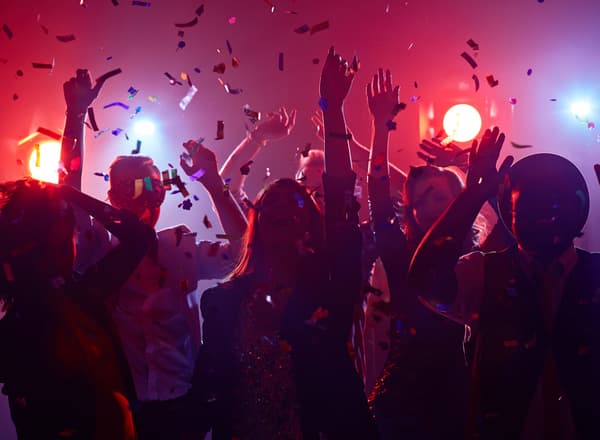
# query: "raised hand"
336,79
275,126
200,163
79,93
434,153
382,96
482,162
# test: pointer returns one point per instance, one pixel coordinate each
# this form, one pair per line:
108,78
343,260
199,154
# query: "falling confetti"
7,31
219,68
513,101
476,81
220,130
529,72
515,145
65,38
319,27
280,62
206,222
138,146
92,118
469,59
141,3
302,29
472,44
185,101
187,24
232,20
491,81
108,75
117,104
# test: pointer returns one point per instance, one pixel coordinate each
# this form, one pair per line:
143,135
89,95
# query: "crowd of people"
452,305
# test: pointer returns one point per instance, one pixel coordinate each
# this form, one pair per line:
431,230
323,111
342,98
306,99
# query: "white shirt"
157,311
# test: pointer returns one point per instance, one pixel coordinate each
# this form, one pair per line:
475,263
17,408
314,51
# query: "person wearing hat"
533,309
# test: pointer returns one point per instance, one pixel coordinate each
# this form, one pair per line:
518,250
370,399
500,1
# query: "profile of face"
431,197
283,220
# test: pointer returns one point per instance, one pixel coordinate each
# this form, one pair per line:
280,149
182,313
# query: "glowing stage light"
144,127
44,162
581,110
462,123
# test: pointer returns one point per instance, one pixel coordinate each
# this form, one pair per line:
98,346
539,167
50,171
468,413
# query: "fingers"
375,85
382,87
428,159
369,91
184,166
283,116
506,164
396,92
292,119
388,80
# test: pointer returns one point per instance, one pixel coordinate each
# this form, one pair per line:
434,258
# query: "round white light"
44,162
144,127
462,123
581,109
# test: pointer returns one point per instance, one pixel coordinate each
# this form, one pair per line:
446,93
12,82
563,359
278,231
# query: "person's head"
36,233
135,185
284,222
428,191
545,203
310,173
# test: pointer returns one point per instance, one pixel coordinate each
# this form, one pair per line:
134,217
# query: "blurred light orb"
462,123
581,109
44,162
144,127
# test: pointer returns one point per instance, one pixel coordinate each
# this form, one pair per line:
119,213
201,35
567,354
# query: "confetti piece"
597,170
414,98
172,79
117,131
469,59
416,85
220,130
7,31
206,222
529,72
319,27
108,75
65,38
245,169
591,125
323,103
105,176
198,174
115,2
513,101
138,146
553,99
398,108
140,3
115,104
410,46
196,198
101,132
132,92
280,62
180,45
476,81
92,118
391,125
15,97
148,183
472,44
187,24
491,81
37,155
138,188
515,145
315,61
49,133
219,68
200,10
229,48
235,62
232,20
180,34
302,29
42,65
185,101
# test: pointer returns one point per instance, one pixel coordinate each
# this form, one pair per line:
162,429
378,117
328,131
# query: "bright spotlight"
581,109
144,127
44,162
462,123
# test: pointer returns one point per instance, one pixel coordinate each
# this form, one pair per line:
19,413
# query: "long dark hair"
252,259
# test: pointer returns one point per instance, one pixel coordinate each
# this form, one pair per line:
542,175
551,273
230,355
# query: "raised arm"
432,268
203,166
336,80
276,125
92,240
135,239
79,95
